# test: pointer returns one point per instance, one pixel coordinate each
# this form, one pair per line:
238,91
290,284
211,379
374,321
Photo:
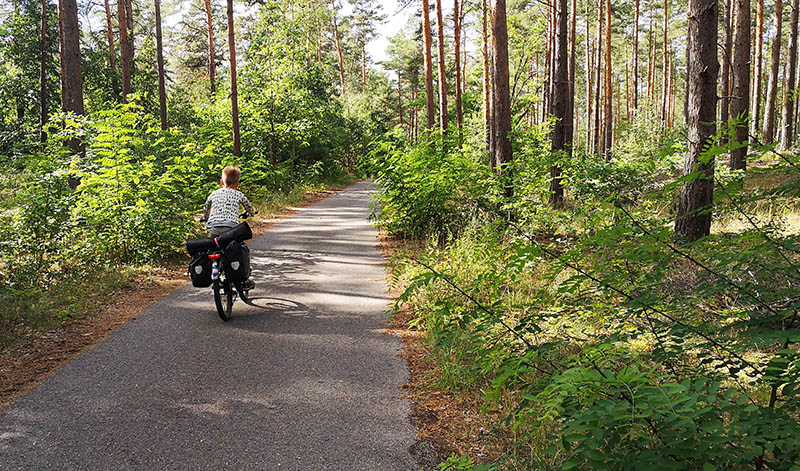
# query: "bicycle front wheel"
223,298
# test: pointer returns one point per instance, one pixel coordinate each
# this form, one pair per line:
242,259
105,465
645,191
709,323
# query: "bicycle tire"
223,288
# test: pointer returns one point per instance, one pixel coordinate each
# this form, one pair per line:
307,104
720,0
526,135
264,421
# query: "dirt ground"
28,363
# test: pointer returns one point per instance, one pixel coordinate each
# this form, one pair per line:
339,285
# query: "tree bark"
757,72
651,54
727,53
635,54
43,75
237,146
486,82
787,133
162,92
772,86
110,34
212,55
338,47
570,119
560,103
430,107
501,123
363,64
442,69
740,103
609,123
696,197
72,94
457,44
125,49
664,91
589,55
599,42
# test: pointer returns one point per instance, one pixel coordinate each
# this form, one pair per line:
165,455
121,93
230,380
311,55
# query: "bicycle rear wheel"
223,298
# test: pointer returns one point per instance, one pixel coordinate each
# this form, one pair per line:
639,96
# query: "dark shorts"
216,231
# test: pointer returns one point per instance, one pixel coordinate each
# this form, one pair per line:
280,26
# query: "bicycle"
211,258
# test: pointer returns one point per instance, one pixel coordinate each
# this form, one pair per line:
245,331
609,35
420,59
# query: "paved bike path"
303,380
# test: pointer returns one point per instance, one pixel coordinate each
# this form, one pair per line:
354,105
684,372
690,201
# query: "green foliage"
605,344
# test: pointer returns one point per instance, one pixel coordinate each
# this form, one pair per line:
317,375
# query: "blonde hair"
231,175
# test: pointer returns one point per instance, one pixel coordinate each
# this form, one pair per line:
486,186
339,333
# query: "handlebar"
244,215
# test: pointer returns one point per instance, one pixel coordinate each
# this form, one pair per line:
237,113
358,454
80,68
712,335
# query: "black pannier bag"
195,246
200,270
240,232
237,261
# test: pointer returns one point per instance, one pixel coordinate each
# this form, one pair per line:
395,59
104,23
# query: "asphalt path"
303,379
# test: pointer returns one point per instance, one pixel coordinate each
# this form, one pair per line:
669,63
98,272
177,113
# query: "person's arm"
207,208
247,206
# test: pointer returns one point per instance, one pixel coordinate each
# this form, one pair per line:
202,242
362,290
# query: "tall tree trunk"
740,103
129,21
124,49
787,133
457,44
570,120
772,86
430,107
599,42
486,82
664,91
442,69
43,75
363,64
651,54
609,124
400,100
162,92
237,146
501,122
110,34
72,94
635,54
561,102
696,197
548,60
212,55
727,54
338,46
589,55
757,71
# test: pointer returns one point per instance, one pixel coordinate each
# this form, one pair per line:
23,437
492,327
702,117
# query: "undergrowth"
603,342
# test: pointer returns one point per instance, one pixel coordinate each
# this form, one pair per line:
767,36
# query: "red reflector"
214,256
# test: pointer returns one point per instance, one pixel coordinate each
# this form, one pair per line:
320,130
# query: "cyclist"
221,210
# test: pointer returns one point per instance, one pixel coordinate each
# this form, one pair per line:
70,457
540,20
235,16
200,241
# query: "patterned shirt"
222,207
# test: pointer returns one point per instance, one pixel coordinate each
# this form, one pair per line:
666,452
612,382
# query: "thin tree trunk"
570,120
442,69
501,124
212,55
740,104
548,60
589,68
757,72
237,146
426,32
457,44
486,81
63,74
162,92
363,64
110,33
400,100
338,47
788,90
561,102
635,54
725,100
772,86
609,124
696,197
651,54
124,49
129,20
599,42
43,75
664,91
